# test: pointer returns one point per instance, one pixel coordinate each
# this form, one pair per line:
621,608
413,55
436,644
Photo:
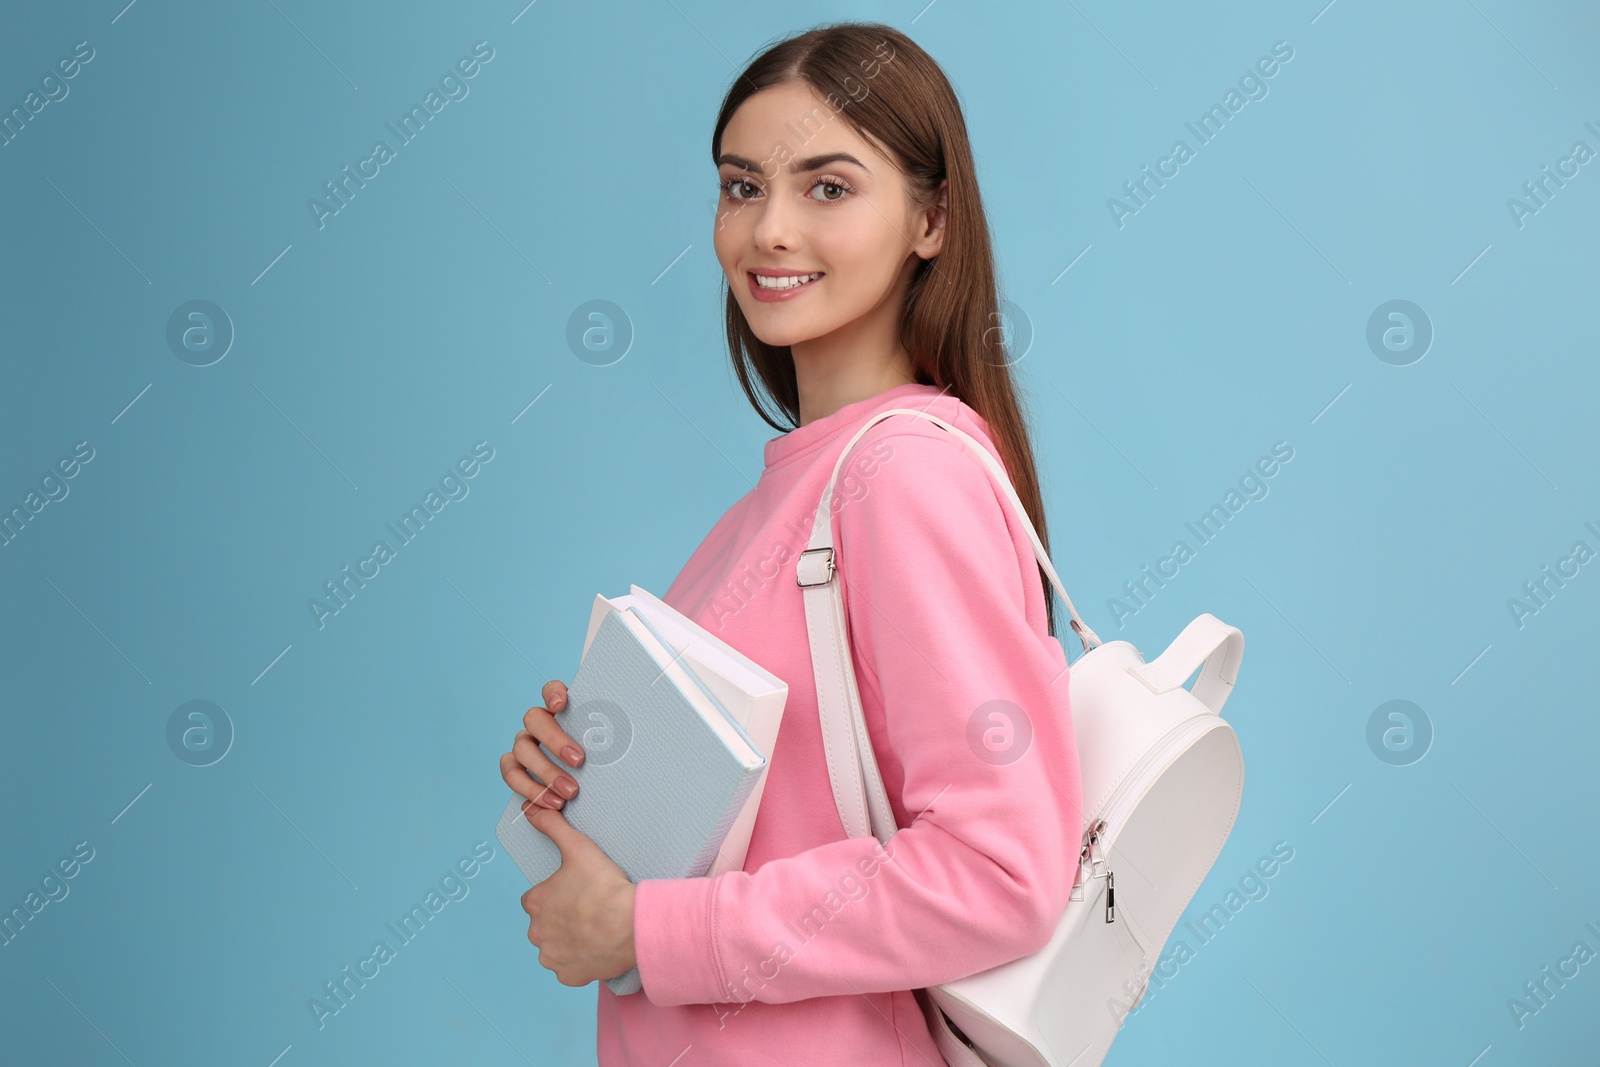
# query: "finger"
527,786
554,825
542,724
554,694
526,749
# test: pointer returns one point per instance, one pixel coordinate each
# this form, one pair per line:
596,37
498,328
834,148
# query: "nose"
775,225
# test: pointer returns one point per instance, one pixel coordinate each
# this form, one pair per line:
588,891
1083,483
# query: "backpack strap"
858,790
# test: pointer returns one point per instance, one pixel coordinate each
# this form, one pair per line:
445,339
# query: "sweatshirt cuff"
674,940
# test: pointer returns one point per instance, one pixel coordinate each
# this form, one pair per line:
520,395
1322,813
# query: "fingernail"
548,799
572,756
566,787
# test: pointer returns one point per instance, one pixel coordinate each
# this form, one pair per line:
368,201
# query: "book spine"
708,855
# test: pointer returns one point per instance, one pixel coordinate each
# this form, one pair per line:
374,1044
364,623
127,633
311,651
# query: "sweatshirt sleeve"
965,697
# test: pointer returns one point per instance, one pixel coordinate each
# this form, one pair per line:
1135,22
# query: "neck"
828,381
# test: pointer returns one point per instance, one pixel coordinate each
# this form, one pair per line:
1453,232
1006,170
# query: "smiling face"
827,225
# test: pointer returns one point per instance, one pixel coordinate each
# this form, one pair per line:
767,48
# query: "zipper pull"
1089,860
1093,845
1098,863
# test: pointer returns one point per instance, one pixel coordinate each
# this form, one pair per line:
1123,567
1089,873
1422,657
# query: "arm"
942,623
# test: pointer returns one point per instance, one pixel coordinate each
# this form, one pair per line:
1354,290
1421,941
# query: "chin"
783,338
779,335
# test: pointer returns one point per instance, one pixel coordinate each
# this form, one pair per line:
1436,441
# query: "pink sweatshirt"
809,954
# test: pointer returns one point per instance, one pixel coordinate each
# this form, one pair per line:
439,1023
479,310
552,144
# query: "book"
751,694
676,728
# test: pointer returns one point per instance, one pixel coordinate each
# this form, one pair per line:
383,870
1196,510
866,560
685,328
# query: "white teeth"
785,283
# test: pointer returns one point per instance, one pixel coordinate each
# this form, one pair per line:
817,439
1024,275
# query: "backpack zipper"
1120,805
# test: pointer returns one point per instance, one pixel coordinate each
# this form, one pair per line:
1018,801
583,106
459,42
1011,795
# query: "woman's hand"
580,918
526,769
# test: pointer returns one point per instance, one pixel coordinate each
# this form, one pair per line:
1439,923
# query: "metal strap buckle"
825,579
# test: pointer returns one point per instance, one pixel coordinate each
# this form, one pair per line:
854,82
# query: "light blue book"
666,770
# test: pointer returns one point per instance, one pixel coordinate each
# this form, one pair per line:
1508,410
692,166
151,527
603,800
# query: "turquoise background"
1229,313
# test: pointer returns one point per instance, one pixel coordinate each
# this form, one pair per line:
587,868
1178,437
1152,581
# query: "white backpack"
1161,774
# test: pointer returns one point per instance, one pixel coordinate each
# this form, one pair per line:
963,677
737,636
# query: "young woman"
860,278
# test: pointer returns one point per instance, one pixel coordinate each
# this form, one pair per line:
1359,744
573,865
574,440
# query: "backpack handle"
1207,643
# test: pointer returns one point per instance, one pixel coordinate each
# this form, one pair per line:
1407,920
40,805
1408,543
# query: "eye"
727,186
825,181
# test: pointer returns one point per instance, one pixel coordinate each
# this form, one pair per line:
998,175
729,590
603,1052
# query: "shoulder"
914,457
947,408
910,482
915,508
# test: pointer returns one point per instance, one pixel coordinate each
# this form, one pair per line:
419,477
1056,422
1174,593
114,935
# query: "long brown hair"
895,95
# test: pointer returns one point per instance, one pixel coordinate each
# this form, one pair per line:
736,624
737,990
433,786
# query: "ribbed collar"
817,431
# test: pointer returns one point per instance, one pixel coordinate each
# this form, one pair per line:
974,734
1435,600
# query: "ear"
931,224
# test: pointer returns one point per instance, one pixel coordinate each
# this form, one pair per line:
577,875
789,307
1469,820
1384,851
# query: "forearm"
851,916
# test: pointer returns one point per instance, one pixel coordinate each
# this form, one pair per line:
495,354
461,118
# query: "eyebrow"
795,166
